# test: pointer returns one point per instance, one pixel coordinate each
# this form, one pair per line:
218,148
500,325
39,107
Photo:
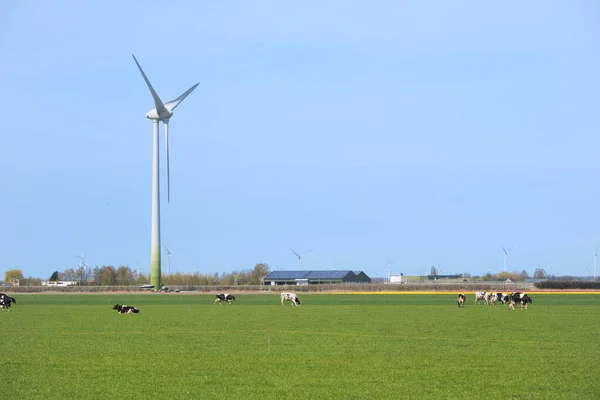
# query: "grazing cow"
5,301
481,296
492,297
461,300
522,298
224,297
503,297
290,297
125,309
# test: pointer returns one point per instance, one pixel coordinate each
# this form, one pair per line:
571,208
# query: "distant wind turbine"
81,262
389,269
162,112
505,256
169,252
300,258
595,259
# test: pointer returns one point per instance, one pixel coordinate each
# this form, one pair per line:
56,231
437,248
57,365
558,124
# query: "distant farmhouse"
315,277
59,283
437,277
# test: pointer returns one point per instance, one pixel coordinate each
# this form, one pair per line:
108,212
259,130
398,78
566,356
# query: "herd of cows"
219,298
488,298
491,298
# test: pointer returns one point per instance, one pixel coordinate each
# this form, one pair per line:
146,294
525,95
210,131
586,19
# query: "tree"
54,276
540,273
523,275
258,273
13,274
68,274
506,275
108,275
123,275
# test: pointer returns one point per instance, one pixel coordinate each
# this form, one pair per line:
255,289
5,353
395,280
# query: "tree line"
108,275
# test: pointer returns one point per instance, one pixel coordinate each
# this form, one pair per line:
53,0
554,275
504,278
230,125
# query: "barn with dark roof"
315,277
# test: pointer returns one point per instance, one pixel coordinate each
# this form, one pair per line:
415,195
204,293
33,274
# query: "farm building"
315,277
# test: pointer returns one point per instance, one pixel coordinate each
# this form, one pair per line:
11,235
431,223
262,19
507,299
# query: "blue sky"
426,132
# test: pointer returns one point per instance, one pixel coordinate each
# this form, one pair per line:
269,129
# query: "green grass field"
335,346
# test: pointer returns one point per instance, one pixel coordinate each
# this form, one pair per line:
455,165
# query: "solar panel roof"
286,275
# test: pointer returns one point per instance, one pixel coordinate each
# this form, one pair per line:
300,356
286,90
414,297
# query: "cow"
503,297
291,297
522,298
492,297
461,300
125,309
481,296
5,301
224,297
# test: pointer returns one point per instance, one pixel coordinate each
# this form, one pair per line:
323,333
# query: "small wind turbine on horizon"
595,259
389,269
81,262
300,258
163,112
505,256
169,252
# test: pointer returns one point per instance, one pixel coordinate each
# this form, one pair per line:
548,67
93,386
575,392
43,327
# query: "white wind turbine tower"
300,258
595,259
162,112
505,256
389,269
169,252
81,264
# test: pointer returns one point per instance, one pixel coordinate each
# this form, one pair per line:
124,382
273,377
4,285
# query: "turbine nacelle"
156,116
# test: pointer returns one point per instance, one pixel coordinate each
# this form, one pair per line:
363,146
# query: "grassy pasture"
335,346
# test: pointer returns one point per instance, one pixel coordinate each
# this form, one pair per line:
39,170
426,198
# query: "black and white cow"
5,301
461,300
125,309
522,298
481,296
503,297
224,297
290,297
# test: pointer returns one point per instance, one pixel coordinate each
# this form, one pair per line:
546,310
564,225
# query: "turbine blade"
160,107
166,122
297,255
503,249
174,103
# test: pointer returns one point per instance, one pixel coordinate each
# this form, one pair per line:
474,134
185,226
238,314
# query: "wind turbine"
595,259
505,256
300,258
81,264
162,112
169,252
389,269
